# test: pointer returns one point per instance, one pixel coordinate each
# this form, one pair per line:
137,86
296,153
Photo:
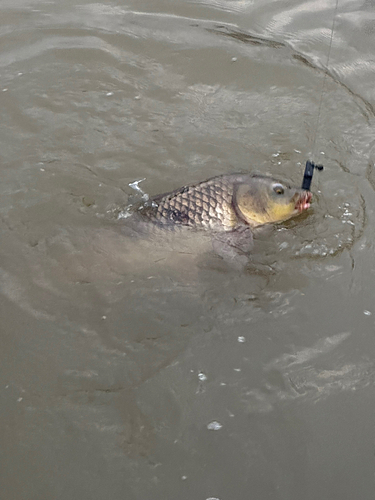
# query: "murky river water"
134,370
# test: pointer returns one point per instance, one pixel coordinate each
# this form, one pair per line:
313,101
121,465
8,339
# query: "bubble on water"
241,339
367,313
214,426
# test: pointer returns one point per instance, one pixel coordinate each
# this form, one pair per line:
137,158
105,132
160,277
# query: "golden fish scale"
208,205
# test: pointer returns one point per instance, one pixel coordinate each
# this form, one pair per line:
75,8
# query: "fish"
227,203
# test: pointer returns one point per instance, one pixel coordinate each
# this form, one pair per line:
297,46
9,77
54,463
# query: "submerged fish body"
227,203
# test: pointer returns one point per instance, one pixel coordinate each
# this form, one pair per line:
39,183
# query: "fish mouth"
303,201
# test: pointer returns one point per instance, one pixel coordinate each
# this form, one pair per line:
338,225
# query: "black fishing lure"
308,175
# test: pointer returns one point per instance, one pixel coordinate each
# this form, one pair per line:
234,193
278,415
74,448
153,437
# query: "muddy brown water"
137,369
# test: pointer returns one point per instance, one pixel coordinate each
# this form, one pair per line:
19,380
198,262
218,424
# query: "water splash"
128,210
135,185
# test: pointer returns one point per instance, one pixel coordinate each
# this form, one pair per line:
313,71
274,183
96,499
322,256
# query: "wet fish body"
226,203
207,205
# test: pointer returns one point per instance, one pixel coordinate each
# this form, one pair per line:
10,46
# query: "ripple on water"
126,352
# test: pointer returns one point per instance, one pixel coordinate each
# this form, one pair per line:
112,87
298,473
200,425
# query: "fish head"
264,200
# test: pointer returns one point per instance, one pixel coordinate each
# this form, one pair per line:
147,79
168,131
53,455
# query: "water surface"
138,369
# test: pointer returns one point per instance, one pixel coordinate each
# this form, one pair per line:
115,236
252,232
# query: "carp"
227,203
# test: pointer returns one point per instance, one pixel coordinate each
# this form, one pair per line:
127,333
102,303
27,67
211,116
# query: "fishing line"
310,166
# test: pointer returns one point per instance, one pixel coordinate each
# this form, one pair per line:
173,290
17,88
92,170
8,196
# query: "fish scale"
206,205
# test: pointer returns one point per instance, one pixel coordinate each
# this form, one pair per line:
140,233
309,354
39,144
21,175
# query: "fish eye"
278,188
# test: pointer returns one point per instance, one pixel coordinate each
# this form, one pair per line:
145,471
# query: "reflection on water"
122,351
